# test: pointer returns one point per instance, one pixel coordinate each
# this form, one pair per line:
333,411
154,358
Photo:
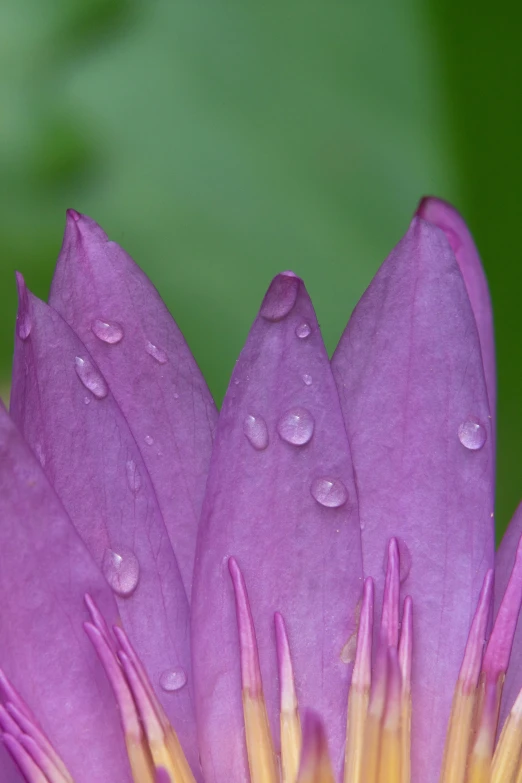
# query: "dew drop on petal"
111,333
149,440
157,353
256,431
296,426
133,476
303,330
280,297
173,679
329,492
121,570
307,379
91,378
87,400
472,435
24,325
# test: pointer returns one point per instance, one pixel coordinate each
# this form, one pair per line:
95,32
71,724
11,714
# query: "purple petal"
281,500
44,574
504,560
411,381
119,316
446,217
72,422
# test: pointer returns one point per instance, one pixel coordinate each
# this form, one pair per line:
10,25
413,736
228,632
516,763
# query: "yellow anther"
359,696
261,757
290,725
507,754
291,742
390,765
315,762
356,730
405,659
458,736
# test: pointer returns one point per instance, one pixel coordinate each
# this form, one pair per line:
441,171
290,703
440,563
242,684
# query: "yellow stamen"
390,756
488,705
458,737
290,725
373,730
463,710
509,747
315,764
405,659
359,696
261,756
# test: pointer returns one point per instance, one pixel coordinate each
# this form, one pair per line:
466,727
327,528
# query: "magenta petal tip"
281,296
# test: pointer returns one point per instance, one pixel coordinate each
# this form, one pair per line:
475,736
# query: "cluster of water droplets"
120,566
296,425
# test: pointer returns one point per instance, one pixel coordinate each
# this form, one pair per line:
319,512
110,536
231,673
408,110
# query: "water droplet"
121,570
280,297
296,426
329,492
173,679
256,431
404,560
303,330
156,353
148,440
472,435
307,379
91,378
176,396
133,476
87,400
24,325
107,332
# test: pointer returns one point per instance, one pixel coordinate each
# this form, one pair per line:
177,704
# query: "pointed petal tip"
73,215
280,297
23,315
81,228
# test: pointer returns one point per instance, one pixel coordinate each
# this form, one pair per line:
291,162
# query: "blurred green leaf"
221,144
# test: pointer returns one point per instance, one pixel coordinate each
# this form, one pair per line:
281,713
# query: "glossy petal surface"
45,571
68,416
151,371
298,556
504,559
446,217
409,373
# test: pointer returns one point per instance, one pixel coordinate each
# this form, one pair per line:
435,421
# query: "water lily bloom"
298,591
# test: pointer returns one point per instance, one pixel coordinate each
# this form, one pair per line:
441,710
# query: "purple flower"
297,591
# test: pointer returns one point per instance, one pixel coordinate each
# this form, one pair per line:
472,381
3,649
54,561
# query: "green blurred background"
221,143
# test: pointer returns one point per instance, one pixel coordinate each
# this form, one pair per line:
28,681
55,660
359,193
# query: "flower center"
378,733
